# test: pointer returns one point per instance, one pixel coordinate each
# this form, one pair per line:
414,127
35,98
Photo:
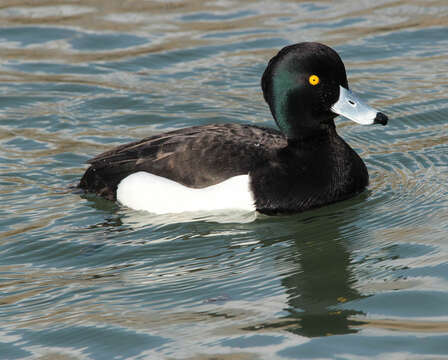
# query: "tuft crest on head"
300,84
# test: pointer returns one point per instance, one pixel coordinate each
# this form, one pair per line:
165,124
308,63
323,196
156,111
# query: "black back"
197,157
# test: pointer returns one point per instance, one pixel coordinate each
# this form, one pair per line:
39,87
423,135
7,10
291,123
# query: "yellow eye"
314,80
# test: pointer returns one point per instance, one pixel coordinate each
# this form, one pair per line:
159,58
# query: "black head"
300,84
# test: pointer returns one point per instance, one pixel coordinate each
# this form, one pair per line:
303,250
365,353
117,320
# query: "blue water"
83,278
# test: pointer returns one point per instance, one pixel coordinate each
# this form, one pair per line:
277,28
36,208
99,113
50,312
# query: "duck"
303,165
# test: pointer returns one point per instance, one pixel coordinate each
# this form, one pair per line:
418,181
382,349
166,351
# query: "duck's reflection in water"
322,276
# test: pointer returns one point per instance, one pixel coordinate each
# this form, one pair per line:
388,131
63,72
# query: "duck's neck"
308,138
297,121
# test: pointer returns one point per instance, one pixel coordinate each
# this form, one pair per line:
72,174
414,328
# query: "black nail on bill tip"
381,119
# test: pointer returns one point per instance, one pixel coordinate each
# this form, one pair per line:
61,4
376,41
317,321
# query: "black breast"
305,176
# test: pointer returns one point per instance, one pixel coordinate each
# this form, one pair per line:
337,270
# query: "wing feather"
196,157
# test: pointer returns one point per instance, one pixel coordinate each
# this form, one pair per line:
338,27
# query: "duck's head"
306,87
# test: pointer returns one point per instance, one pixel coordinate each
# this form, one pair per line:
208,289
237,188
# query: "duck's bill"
352,107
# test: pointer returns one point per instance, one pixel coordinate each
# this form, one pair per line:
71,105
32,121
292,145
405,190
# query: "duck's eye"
314,80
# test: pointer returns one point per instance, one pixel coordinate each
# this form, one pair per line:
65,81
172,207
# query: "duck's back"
197,157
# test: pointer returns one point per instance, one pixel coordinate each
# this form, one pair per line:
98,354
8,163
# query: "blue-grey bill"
352,107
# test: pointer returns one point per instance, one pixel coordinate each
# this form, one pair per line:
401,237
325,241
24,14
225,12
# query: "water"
82,278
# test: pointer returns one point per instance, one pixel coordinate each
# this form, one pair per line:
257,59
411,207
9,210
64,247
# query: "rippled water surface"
82,278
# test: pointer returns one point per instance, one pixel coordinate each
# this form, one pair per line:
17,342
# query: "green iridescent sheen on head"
302,108
283,82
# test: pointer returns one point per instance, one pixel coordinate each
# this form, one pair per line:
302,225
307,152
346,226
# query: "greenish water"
82,278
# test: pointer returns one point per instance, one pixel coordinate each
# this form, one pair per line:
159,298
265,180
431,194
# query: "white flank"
145,191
